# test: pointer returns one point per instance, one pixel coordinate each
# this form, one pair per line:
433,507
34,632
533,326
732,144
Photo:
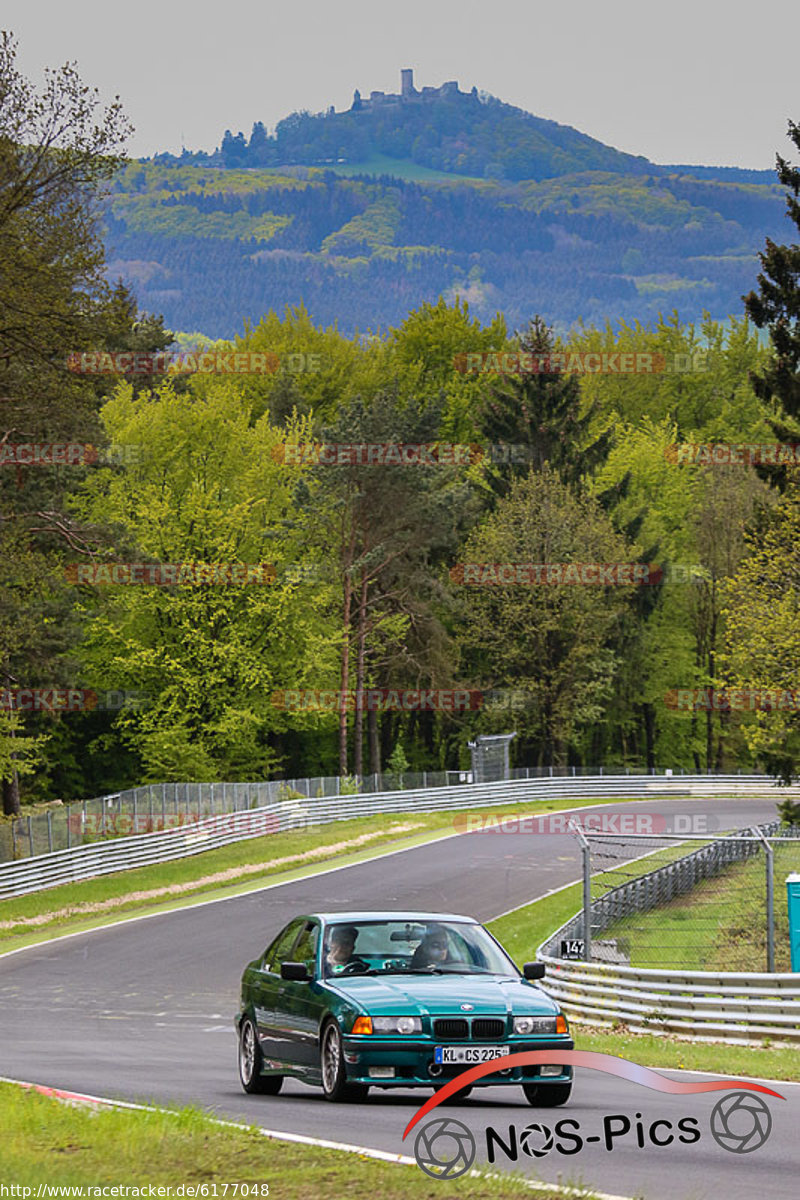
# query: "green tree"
552,643
541,414
775,307
387,525
762,649
211,488
56,149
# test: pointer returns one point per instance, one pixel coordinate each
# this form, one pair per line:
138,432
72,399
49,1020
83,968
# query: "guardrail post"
30,836
69,829
13,838
50,830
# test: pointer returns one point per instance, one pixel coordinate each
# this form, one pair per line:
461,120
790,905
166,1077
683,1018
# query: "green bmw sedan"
349,1001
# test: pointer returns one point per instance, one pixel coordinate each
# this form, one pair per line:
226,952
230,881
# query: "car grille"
488,1027
454,1028
458,1028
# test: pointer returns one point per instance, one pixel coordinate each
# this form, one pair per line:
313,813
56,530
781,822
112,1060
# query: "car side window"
280,949
306,949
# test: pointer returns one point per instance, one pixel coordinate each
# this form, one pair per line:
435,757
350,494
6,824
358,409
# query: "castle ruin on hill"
408,94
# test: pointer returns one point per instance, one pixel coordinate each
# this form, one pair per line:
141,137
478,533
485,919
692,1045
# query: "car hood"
439,994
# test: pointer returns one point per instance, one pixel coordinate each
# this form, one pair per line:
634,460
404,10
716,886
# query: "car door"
299,1005
266,991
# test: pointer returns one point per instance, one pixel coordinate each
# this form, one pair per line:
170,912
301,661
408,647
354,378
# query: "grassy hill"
363,215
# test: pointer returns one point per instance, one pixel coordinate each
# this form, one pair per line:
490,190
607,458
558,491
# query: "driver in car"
341,948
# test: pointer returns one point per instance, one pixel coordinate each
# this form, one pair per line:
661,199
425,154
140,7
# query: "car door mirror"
296,971
533,970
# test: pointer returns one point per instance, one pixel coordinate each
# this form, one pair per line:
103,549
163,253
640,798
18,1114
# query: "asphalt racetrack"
144,1011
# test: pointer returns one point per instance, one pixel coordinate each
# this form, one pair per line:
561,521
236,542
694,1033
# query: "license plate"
447,1055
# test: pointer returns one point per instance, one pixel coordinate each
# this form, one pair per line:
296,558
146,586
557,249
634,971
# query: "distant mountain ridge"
362,215
440,128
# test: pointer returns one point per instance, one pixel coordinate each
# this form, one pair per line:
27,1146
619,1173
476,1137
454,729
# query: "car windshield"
412,947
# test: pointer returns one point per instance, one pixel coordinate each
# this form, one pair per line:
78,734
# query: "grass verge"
766,1061
230,870
47,1142
720,925
523,930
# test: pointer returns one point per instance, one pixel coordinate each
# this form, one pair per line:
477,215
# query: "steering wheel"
355,965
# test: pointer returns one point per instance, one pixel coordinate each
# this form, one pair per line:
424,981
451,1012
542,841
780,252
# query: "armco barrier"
719,1006
711,1005
121,853
159,806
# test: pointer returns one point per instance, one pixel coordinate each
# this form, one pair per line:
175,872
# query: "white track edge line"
302,1138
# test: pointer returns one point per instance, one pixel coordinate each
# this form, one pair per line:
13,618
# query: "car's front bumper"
412,1060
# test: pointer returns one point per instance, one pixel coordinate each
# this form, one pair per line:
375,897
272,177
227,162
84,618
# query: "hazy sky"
691,81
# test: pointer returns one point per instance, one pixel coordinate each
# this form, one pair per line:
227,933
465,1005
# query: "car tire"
547,1095
334,1076
251,1061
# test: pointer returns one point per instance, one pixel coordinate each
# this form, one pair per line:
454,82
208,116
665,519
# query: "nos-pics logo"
445,1148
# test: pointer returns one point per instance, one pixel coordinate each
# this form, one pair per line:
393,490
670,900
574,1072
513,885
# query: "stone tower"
406,82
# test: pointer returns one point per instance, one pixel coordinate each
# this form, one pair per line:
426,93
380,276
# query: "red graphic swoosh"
609,1063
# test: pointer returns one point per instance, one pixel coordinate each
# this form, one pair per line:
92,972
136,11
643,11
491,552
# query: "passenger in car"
431,951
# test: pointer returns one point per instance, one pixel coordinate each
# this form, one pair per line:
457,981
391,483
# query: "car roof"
384,915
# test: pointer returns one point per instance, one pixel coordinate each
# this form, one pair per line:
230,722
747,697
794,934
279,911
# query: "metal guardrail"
159,806
735,1006
207,833
729,1006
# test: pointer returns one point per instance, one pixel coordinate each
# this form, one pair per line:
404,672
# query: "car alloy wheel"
250,1062
334,1079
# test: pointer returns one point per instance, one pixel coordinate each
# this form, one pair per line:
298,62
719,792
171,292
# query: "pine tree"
537,417
776,307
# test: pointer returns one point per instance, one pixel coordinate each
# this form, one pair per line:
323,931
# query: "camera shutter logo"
444,1148
536,1140
740,1122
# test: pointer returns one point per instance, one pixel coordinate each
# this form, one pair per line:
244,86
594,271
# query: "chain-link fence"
656,902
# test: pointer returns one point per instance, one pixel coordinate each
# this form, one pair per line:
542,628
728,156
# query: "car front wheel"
548,1095
334,1077
250,1063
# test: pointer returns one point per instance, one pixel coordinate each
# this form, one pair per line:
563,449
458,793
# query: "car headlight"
529,1025
397,1024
